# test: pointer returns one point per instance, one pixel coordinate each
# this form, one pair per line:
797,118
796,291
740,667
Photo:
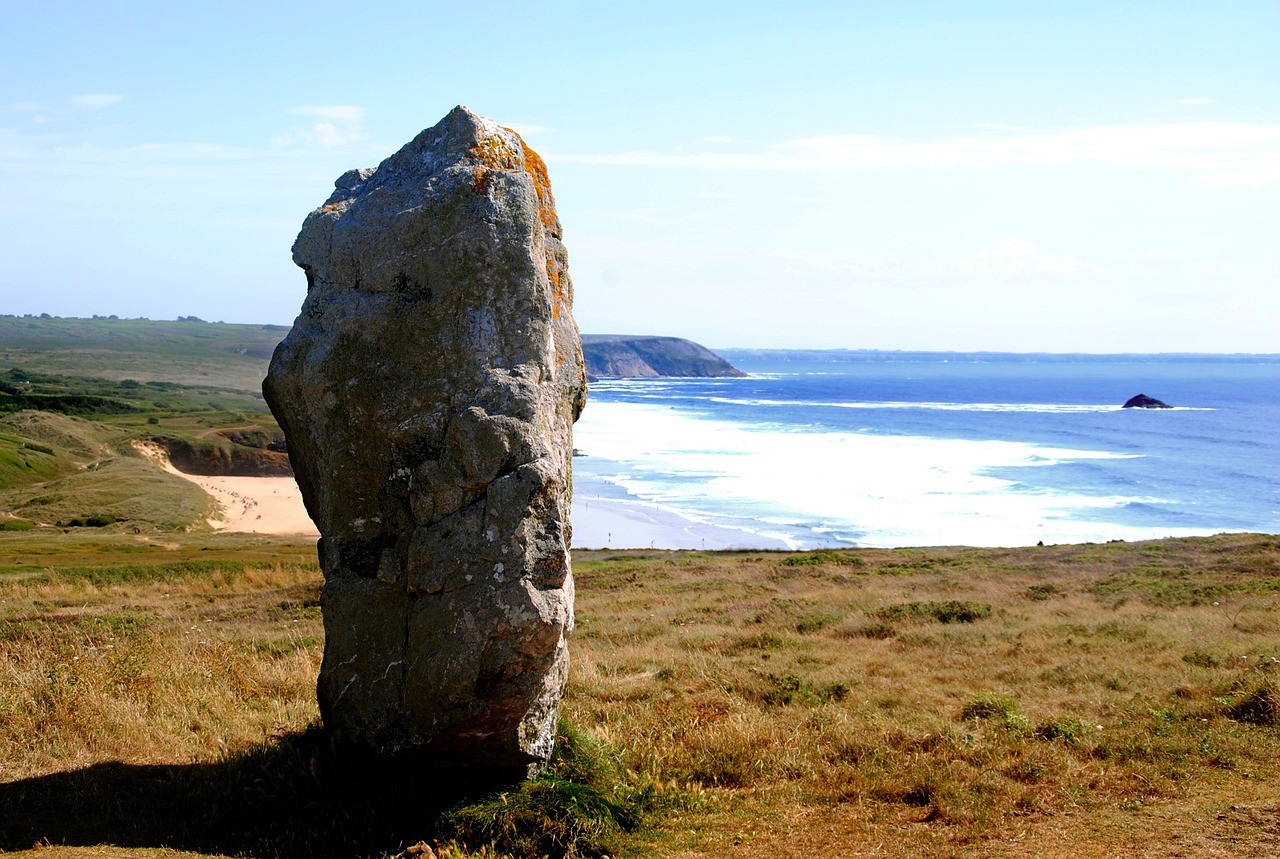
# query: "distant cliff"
649,357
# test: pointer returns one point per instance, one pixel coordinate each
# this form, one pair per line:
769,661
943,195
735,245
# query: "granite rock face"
428,391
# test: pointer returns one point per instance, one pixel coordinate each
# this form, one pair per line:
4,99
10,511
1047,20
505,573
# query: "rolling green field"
190,353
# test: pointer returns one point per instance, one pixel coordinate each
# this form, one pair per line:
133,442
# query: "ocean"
834,449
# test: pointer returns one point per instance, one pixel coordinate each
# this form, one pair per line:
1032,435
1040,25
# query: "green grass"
823,557
85,473
189,353
580,806
204,429
945,611
155,572
75,393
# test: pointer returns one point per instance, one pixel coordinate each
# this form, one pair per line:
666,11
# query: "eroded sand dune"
255,505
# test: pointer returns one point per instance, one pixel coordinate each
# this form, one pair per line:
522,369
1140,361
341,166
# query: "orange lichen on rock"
537,168
496,152
553,276
533,164
553,271
493,153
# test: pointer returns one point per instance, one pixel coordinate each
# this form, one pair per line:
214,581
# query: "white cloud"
339,125
27,106
1217,154
1254,178
343,113
95,100
1014,257
55,154
331,136
1006,127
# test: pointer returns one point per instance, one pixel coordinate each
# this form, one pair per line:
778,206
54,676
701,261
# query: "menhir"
428,391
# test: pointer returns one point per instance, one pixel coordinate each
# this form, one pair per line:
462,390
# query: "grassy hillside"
64,471
1073,701
190,353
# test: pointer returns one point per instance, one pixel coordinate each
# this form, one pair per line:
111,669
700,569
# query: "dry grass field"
157,700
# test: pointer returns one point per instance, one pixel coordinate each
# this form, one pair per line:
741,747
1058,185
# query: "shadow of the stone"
288,798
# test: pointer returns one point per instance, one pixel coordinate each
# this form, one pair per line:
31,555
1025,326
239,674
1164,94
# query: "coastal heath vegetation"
158,693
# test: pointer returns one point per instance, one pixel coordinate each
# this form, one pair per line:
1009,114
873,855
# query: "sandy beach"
256,505
613,523
253,505
273,505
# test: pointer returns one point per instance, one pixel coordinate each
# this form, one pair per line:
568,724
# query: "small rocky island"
1142,401
648,357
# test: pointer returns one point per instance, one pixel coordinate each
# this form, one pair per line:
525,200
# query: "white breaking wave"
1040,408
812,488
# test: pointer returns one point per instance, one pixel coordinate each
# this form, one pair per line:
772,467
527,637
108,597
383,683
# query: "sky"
1061,177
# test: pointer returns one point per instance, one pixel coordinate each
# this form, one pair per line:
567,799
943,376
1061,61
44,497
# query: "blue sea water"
895,449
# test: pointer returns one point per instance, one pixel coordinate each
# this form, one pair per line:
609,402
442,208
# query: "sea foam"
1034,408
812,488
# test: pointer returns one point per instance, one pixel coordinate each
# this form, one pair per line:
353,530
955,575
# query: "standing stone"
427,391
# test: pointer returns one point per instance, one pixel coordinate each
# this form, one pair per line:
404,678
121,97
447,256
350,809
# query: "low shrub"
822,557
544,817
790,688
765,641
96,521
1200,659
1259,705
945,611
992,706
815,621
1068,730
1042,592
878,629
